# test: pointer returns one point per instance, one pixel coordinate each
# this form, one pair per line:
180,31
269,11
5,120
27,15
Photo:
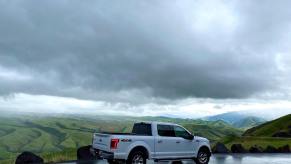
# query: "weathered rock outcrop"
238,148
256,149
220,148
284,149
83,153
28,158
270,149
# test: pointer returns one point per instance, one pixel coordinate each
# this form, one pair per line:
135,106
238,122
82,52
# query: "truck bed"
116,133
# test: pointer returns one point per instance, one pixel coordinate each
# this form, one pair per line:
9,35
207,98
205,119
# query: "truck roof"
157,122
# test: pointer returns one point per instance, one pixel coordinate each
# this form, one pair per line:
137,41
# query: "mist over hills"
238,119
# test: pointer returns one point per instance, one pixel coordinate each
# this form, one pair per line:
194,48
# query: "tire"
137,157
203,156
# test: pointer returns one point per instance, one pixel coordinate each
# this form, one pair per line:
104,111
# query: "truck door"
185,142
165,142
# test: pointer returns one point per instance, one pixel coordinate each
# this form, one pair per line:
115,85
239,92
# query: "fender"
203,144
136,144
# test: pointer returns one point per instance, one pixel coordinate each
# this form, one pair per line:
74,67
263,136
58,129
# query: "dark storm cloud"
141,49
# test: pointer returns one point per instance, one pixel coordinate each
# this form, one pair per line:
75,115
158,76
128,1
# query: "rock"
220,148
270,149
238,148
83,153
284,149
281,134
28,158
256,149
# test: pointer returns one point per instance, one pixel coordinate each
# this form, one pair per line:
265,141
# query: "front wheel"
203,157
137,157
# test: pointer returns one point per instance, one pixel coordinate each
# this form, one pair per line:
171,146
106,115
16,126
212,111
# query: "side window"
181,132
142,129
166,130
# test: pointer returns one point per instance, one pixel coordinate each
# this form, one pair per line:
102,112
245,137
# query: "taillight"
114,143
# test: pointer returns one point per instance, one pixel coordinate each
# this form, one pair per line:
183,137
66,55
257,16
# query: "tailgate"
101,141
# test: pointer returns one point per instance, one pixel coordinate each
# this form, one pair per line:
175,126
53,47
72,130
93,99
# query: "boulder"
256,149
238,148
220,148
284,149
28,158
270,149
84,154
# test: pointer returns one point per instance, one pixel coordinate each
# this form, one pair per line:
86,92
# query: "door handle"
177,141
160,141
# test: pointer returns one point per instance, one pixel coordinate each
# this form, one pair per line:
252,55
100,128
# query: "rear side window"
166,130
142,129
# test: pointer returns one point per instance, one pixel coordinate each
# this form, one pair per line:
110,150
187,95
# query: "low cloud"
187,108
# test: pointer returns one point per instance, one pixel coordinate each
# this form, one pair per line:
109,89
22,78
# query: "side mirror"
189,137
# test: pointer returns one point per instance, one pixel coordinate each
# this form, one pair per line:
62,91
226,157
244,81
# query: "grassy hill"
269,129
264,134
57,137
50,134
213,130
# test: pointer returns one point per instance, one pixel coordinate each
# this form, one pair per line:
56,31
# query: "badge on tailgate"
125,140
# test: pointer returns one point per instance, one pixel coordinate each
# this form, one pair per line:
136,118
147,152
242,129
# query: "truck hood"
201,139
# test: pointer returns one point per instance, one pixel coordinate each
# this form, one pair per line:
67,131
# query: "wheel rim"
137,159
203,157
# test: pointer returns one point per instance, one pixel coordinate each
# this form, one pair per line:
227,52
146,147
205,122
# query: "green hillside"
274,133
50,134
57,137
214,130
269,129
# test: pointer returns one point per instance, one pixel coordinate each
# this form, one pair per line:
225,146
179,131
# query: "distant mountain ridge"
237,119
248,122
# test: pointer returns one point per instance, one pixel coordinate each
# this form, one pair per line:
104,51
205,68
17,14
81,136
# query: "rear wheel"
203,156
136,157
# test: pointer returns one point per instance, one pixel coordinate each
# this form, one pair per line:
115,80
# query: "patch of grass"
65,155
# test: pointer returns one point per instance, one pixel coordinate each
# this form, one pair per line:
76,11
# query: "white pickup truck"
151,140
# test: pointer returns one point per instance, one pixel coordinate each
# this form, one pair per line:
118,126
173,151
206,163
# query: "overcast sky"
175,58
